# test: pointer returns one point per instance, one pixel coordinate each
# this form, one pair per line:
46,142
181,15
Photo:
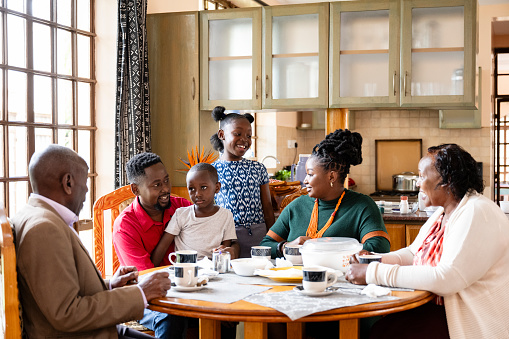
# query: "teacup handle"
191,276
331,278
171,260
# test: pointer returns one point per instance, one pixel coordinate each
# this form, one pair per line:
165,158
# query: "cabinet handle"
404,81
266,86
256,87
193,89
394,82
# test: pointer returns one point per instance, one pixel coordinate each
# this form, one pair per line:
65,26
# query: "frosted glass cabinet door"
438,49
230,43
296,56
365,54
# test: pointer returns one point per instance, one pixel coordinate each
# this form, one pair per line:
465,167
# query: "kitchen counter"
395,217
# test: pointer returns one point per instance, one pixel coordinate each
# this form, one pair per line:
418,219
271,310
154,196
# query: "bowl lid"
332,244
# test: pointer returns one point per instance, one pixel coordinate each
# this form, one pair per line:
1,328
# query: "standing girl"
244,183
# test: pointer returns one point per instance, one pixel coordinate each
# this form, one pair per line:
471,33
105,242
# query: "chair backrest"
112,201
289,198
9,283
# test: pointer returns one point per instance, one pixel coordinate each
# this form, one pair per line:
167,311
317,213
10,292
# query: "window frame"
30,72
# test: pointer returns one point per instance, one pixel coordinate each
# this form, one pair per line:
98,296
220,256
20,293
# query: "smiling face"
236,137
202,189
317,180
154,189
429,183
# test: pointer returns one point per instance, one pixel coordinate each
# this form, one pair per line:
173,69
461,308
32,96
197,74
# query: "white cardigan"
473,273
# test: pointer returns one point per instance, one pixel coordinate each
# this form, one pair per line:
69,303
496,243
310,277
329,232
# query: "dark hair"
225,119
135,167
203,166
338,151
457,169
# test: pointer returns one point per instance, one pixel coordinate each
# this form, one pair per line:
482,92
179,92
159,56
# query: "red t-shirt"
135,234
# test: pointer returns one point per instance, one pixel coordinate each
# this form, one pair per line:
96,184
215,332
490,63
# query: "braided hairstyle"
224,120
457,168
338,151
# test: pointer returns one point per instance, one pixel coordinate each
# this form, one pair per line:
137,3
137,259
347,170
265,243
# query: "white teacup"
186,274
261,252
317,279
292,254
183,256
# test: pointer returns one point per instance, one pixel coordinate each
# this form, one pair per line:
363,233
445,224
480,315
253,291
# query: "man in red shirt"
138,229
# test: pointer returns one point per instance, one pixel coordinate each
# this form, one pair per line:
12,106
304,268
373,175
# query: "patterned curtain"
133,109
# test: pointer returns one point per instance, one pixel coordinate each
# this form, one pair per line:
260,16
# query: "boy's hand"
234,250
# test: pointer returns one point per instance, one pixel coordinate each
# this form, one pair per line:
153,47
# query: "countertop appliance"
395,156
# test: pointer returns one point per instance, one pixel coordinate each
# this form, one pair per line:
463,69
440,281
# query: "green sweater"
357,217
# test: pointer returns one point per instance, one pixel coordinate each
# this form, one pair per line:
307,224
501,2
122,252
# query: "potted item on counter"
405,182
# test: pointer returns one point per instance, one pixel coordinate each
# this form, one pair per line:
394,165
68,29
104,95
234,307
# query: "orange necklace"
313,222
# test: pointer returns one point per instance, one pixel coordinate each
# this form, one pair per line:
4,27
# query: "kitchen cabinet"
402,234
174,92
411,53
230,49
282,63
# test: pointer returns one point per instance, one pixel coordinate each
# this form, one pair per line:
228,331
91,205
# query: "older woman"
461,254
330,210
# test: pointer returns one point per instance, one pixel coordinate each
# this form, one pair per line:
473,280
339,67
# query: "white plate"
301,290
187,289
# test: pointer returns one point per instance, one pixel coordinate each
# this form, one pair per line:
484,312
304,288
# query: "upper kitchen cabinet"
364,42
230,47
403,53
294,52
174,96
439,45
295,56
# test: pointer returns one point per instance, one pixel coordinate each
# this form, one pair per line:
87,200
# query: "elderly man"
61,290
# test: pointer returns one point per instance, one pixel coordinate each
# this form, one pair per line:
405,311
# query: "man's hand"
356,274
156,285
123,276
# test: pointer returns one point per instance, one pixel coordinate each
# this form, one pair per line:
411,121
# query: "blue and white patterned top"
240,189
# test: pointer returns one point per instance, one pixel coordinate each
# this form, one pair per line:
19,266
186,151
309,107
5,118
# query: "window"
46,89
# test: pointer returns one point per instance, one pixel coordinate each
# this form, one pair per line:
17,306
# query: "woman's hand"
299,241
356,274
354,259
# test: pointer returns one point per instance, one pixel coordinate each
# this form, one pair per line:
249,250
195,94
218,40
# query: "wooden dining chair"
10,322
115,201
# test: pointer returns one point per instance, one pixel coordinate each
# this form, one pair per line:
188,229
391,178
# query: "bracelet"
279,249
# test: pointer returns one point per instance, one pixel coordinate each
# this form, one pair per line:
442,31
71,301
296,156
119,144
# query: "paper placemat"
295,305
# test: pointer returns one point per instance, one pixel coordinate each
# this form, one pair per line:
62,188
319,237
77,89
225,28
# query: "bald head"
57,172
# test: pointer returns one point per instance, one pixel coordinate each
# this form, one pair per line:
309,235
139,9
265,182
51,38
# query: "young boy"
204,226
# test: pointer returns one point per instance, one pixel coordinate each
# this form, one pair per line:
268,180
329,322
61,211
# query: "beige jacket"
62,293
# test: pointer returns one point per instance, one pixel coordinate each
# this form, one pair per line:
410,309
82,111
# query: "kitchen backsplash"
415,124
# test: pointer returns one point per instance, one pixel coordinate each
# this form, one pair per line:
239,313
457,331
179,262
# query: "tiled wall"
415,124
306,140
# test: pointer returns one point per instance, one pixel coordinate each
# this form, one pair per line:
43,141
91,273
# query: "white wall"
164,6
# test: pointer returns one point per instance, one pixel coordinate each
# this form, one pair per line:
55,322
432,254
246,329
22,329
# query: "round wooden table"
256,317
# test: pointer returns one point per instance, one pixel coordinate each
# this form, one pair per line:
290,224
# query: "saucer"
301,290
186,288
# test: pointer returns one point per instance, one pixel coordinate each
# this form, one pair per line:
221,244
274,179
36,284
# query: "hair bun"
218,113
249,117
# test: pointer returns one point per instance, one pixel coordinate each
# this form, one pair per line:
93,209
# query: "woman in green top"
330,210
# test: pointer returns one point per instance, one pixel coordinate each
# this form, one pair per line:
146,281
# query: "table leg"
255,330
294,330
349,328
210,329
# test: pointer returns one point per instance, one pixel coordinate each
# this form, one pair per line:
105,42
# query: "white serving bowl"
247,266
330,252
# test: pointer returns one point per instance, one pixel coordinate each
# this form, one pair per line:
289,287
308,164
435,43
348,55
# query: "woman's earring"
331,184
